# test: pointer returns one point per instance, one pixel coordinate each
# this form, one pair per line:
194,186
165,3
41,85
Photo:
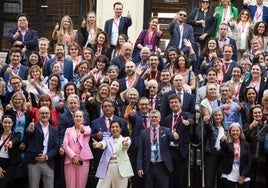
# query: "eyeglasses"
184,15
244,14
205,2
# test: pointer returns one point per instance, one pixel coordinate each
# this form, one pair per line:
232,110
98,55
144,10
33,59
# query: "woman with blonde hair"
64,33
35,84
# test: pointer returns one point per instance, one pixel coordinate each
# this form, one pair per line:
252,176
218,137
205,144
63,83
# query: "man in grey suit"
154,162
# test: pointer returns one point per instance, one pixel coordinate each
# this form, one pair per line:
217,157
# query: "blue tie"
156,145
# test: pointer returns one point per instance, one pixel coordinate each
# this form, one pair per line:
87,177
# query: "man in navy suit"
66,119
154,162
258,12
67,65
117,25
42,150
23,37
15,68
123,58
101,127
132,79
187,100
180,122
179,31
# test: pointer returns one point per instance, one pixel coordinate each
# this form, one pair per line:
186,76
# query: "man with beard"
67,65
132,79
123,58
152,71
144,55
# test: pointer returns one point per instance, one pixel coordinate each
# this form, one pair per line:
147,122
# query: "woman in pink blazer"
78,152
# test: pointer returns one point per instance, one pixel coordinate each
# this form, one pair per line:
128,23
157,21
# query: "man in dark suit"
154,162
42,149
67,65
101,127
187,100
117,25
178,121
179,31
23,37
15,68
223,39
258,12
123,58
132,79
66,119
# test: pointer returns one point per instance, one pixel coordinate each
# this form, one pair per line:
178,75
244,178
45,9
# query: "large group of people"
116,113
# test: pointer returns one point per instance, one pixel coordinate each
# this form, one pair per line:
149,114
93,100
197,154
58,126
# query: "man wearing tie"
187,101
154,162
180,122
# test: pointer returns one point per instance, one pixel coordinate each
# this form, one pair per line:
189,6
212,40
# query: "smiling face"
66,22
108,109
101,39
115,129
114,87
78,118
261,28
251,95
175,105
144,106
173,56
236,73
15,58
33,59
53,82
35,73
7,124
218,117
153,24
118,9
91,18
256,71
104,92
23,22
88,84
235,133
257,114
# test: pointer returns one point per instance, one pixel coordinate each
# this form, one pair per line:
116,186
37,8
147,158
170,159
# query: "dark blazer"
174,30
36,145
67,68
23,73
182,130
140,86
105,51
99,124
13,153
144,149
30,40
252,9
245,158
246,83
233,43
120,62
66,121
84,35
138,126
123,26
188,104
198,14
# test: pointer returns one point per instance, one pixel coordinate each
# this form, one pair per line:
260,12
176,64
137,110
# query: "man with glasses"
42,150
179,31
187,100
100,127
17,86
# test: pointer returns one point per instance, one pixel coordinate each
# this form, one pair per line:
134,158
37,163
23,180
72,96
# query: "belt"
113,158
157,163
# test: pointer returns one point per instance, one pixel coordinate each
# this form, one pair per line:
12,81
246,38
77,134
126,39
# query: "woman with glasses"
260,31
202,22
